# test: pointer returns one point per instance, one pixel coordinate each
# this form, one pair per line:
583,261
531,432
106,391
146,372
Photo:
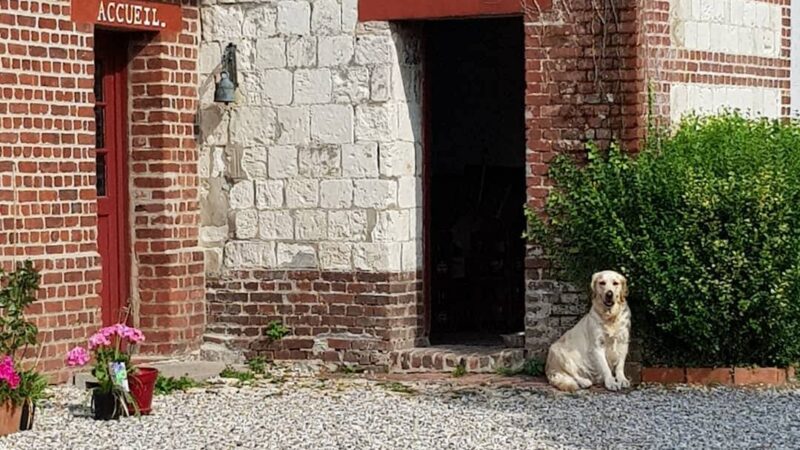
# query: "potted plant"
111,349
17,291
32,387
10,399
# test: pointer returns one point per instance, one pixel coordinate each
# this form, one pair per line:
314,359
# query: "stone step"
219,347
447,358
218,338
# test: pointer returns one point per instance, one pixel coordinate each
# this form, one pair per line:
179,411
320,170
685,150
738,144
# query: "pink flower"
99,339
131,334
8,373
134,335
107,332
77,357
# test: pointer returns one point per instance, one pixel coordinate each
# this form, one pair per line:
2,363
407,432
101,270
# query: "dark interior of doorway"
476,179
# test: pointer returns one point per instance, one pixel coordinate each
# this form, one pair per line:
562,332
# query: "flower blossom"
77,357
98,340
8,373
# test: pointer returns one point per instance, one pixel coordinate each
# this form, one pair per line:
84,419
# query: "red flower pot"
142,384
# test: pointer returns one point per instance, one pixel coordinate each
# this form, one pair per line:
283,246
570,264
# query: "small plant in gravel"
508,371
395,386
533,367
241,375
348,369
459,371
168,385
257,365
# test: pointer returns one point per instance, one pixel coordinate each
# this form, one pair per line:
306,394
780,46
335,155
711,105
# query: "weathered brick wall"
168,288
313,169
583,86
47,194
48,201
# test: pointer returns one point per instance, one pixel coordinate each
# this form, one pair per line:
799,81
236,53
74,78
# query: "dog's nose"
609,295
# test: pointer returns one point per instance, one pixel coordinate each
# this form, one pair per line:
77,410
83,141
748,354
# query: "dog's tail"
562,381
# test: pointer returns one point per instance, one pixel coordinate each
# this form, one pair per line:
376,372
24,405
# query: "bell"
226,90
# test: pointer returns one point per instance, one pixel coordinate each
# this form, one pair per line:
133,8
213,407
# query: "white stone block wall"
733,51
740,27
711,99
316,164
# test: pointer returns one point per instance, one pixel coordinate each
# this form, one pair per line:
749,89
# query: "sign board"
128,14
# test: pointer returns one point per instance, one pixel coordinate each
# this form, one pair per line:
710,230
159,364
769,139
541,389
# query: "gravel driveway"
360,414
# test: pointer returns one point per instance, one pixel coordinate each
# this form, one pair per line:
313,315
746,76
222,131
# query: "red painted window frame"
369,10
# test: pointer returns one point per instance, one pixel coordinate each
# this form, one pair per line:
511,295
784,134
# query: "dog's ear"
594,283
624,295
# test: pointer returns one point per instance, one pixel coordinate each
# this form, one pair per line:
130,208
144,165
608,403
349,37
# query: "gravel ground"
307,413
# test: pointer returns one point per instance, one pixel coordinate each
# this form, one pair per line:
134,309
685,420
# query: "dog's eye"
616,283
602,283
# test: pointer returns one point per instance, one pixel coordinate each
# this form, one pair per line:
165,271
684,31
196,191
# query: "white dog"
594,350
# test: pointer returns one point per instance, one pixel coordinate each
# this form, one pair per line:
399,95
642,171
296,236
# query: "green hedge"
705,222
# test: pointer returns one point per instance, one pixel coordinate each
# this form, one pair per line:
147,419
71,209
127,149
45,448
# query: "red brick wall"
333,316
168,264
582,86
47,194
47,166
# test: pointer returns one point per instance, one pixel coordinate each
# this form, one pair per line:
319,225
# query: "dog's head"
609,290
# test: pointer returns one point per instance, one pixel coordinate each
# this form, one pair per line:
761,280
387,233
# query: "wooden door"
112,194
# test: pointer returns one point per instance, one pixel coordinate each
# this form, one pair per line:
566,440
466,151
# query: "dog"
594,350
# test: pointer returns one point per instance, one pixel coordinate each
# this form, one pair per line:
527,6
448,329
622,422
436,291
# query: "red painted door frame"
427,251
439,9
111,113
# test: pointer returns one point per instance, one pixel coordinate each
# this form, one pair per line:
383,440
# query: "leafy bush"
705,223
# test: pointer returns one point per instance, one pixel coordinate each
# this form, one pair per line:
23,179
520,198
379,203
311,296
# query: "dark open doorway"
475,88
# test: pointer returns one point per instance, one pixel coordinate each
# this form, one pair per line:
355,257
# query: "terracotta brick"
663,375
722,375
760,375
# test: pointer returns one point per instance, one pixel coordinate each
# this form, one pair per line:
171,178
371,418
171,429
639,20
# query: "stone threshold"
446,358
728,376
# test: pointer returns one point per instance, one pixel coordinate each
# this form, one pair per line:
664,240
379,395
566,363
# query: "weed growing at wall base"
704,225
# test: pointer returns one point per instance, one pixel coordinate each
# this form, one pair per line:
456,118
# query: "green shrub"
705,224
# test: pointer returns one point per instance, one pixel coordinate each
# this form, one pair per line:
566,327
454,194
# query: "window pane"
101,175
100,126
98,81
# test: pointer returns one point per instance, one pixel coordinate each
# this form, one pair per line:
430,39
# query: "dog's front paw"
624,383
612,384
584,383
